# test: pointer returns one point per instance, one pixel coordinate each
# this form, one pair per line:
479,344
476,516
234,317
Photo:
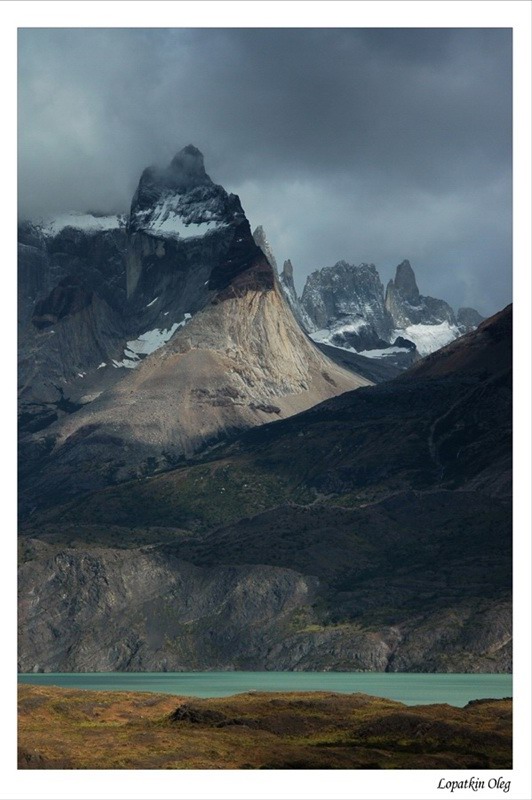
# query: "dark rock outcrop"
68,297
187,235
468,319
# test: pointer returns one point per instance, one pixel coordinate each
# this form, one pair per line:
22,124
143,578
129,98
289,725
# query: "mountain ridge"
406,560
345,306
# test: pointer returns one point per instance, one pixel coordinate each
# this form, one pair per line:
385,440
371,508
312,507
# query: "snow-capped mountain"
181,199
158,508
145,339
123,285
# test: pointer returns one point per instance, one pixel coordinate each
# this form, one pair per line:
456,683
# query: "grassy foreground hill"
72,729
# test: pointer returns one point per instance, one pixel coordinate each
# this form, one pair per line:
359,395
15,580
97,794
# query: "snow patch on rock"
169,218
147,343
82,222
383,353
429,338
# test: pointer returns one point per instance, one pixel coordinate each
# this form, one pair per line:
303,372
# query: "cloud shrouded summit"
365,145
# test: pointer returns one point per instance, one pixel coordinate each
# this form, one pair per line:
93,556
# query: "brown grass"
73,729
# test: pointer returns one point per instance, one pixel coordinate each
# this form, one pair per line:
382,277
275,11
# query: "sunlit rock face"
150,337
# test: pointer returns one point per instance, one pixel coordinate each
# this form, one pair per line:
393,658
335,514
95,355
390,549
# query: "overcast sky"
356,144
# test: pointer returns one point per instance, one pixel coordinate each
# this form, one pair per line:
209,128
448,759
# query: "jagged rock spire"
261,241
408,307
405,282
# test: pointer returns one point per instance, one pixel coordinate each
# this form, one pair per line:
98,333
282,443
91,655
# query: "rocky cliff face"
345,306
241,361
72,317
286,280
407,307
184,233
352,293
147,610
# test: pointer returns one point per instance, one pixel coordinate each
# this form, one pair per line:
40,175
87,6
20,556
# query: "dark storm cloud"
372,145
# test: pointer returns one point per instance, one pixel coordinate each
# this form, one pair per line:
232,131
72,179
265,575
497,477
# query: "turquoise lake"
409,688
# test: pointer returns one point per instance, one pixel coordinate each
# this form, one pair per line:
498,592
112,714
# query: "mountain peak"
185,172
405,281
288,270
171,199
410,308
189,162
190,150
